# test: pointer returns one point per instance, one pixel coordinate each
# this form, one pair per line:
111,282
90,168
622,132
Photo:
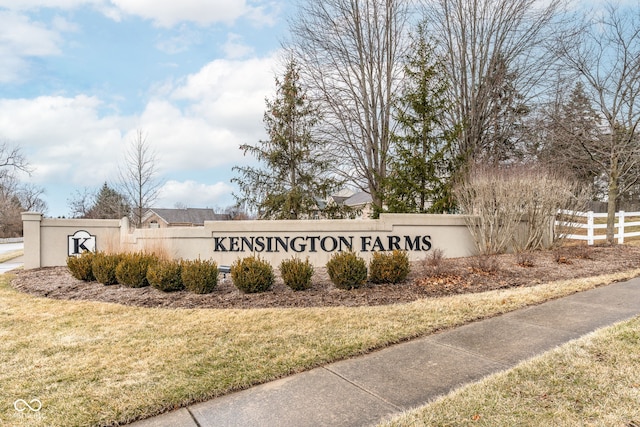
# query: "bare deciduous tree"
12,158
9,207
350,54
81,202
495,59
30,196
138,176
14,196
604,52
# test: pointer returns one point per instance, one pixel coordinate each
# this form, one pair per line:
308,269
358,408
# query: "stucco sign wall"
48,242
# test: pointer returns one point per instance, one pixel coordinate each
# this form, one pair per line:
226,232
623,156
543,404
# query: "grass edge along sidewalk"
594,380
93,363
11,255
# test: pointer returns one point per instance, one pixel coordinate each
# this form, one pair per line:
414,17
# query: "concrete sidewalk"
365,390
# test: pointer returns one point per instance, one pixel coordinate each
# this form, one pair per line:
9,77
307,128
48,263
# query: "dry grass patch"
94,363
592,381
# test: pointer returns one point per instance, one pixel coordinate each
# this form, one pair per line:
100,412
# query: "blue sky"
79,77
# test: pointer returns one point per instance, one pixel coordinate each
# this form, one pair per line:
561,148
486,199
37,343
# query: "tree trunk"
612,196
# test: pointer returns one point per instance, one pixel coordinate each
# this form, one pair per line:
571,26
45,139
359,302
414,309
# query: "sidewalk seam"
370,393
505,364
625,312
193,416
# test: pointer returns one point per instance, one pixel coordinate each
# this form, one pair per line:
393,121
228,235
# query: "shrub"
347,270
392,267
562,256
81,266
200,276
525,259
104,267
296,274
511,206
165,275
132,269
434,263
484,264
252,275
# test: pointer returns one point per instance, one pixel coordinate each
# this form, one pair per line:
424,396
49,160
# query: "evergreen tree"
505,128
421,163
574,127
293,175
109,204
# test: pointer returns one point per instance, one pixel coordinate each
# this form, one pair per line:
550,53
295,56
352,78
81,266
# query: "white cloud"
195,126
223,105
235,48
40,4
246,79
164,13
186,142
61,24
200,126
180,41
204,12
193,194
64,139
20,39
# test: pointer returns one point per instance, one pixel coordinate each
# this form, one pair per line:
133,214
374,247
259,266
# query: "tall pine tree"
109,204
573,128
293,176
421,163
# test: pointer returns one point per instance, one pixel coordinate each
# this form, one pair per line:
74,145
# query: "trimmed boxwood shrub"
132,269
391,267
104,267
296,274
81,267
347,270
165,275
252,274
200,276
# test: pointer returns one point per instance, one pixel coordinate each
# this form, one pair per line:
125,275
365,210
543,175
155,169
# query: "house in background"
358,205
189,217
361,204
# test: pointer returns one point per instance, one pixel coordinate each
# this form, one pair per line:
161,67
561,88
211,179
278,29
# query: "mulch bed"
431,277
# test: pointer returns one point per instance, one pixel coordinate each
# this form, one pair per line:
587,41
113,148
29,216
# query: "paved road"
14,263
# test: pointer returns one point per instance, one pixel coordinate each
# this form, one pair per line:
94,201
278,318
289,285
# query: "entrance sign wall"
48,242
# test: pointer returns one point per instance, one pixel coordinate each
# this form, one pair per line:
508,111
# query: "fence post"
590,228
621,227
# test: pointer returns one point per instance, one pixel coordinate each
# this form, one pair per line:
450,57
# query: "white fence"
591,226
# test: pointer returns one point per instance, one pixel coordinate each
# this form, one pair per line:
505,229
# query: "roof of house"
195,216
342,195
360,198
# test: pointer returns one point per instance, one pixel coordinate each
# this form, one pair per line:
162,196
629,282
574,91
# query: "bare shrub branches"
512,207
